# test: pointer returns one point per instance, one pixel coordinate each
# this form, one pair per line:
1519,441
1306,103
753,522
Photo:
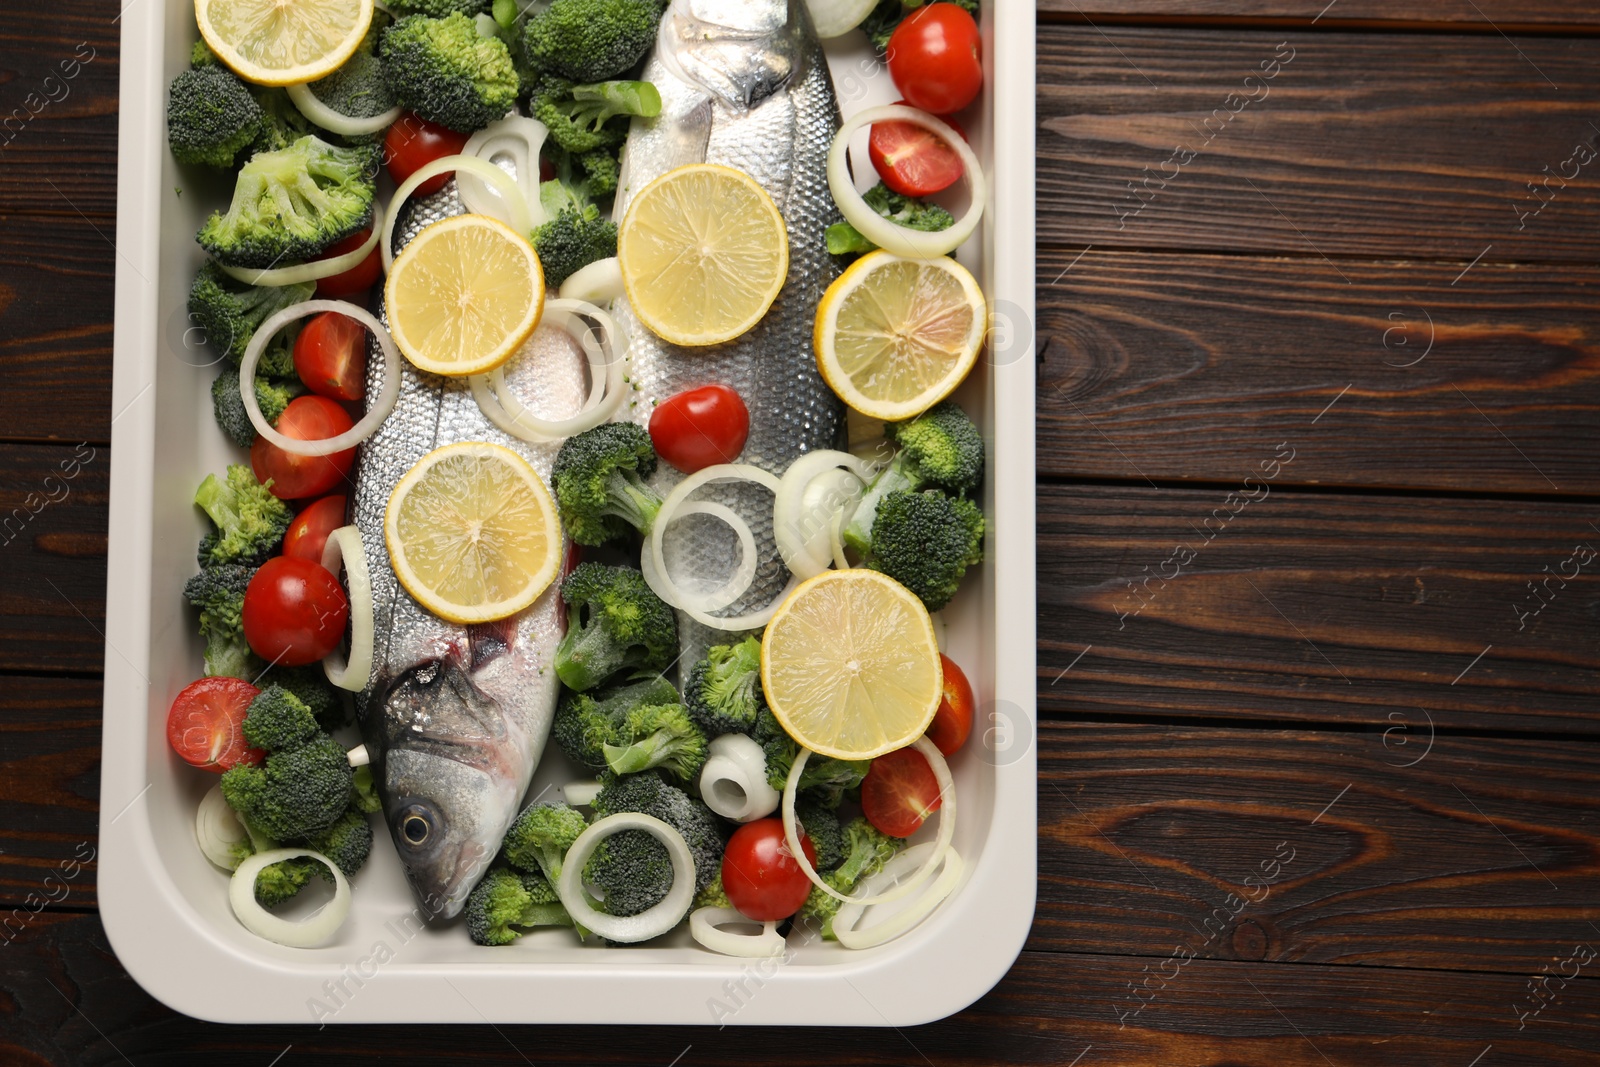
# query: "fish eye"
415,826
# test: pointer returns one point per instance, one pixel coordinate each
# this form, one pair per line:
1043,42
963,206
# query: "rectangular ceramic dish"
165,908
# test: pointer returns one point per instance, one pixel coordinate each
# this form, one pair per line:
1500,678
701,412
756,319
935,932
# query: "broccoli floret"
824,778
658,735
283,123
278,721
293,204
939,449
443,70
571,241
821,825
348,843
724,691
541,836
296,793
649,793
599,482
583,118
438,9
713,895
880,24
507,903
591,40
272,396
250,521
229,311
601,169
844,239
358,89
366,790
614,621
211,116
201,55
310,684
586,722
926,541
866,850
218,591
281,881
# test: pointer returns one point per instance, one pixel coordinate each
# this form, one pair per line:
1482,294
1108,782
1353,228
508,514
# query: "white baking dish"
165,908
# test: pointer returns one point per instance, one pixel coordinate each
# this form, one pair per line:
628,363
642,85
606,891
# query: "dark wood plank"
1367,145
1187,366
50,788
1317,607
1507,16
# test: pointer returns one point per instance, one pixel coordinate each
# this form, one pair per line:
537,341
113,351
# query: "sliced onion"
654,921
836,538
315,269
737,583
599,283
734,783
516,203
805,552
344,546
218,830
359,756
345,125
520,138
891,237
947,828
844,923
835,18
581,794
308,933
376,412
501,407
705,926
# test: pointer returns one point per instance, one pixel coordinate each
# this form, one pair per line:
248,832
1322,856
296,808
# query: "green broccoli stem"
858,534
588,655
632,500
216,500
544,915
641,755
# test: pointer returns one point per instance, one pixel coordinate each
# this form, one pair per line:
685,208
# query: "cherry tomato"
912,161
330,355
700,427
308,533
359,277
952,723
307,418
760,874
413,141
204,724
900,792
934,58
294,611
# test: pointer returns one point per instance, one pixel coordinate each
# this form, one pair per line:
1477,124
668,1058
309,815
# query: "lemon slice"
703,253
850,665
464,295
472,533
283,42
895,336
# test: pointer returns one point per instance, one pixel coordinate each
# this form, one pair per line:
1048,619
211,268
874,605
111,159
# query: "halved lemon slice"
283,42
703,253
464,295
895,336
472,532
850,665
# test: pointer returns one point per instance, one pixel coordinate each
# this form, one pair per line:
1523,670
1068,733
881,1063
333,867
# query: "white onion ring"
521,221
649,923
836,540
705,923
308,933
501,407
314,269
844,923
376,413
217,830
947,828
735,586
344,546
520,138
306,102
796,546
581,794
739,761
599,283
890,236
835,18
359,756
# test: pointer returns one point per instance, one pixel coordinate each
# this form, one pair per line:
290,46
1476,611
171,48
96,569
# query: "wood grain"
49,787
1386,146
1395,374
1321,607
1484,16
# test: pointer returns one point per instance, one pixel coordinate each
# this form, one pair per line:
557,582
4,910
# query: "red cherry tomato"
952,723
359,277
294,611
330,355
700,427
413,141
760,874
900,792
204,724
307,418
308,533
912,161
934,58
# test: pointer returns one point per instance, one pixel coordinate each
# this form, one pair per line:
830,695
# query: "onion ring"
375,414
306,102
599,283
218,830
502,408
308,933
315,269
704,924
344,546
521,221
520,138
735,586
581,794
652,922
789,510
737,765
844,922
835,18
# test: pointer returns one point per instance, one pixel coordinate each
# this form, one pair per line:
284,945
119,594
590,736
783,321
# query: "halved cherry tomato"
307,418
700,427
413,141
912,161
358,278
308,533
900,792
330,355
934,58
294,611
952,723
204,724
760,874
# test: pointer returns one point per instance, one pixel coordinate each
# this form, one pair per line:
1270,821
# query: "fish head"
740,51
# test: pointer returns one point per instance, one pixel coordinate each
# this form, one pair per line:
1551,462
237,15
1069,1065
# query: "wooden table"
1319,500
